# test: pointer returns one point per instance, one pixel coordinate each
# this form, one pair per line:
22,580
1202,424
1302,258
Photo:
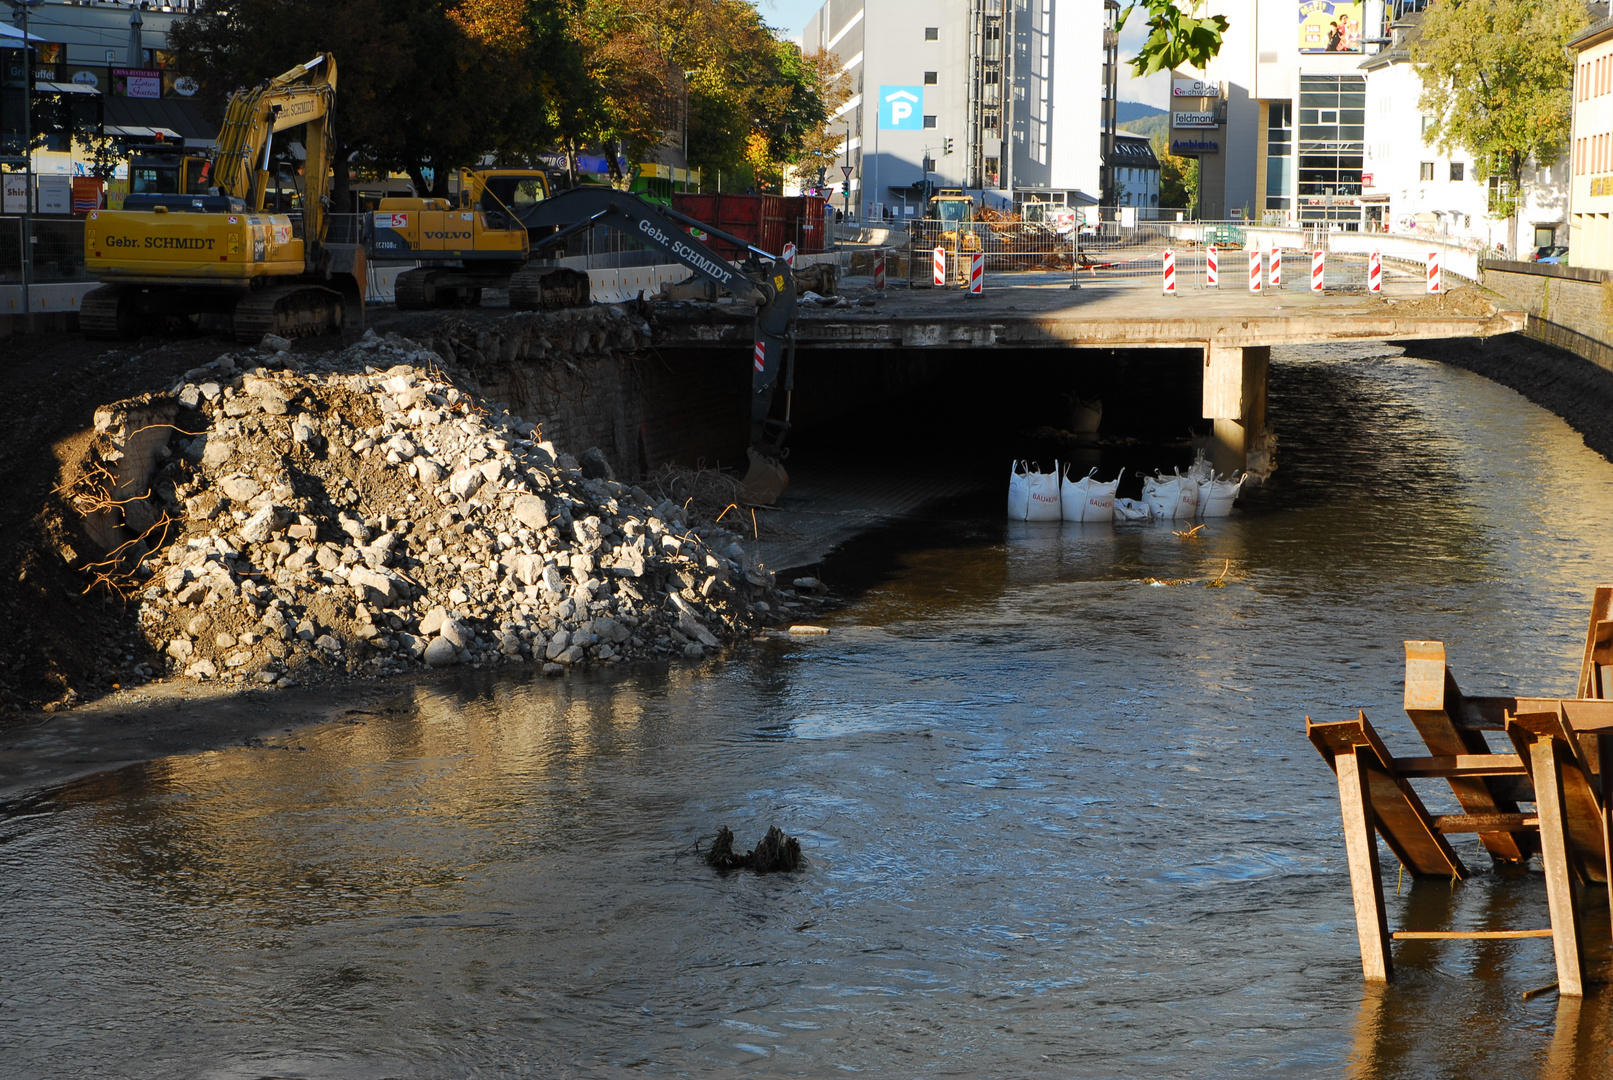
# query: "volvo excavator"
167,256
476,240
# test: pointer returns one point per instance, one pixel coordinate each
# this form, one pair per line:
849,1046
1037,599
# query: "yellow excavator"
172,256
476,240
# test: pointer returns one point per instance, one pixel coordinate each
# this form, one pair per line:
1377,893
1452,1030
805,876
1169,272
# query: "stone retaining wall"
1569,307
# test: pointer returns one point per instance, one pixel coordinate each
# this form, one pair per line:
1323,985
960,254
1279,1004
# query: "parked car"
1552,253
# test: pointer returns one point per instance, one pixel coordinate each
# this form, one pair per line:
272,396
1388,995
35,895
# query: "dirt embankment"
313,513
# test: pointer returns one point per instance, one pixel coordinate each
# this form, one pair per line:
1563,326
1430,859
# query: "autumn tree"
1497,82
1178,176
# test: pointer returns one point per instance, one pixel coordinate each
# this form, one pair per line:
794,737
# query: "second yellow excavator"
168,256
472,241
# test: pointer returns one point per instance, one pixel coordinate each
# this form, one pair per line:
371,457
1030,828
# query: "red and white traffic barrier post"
1434,285
1318,268
789,254
879,271
1375,272
977,273
1276,268
940,267
1212,272
1254,270
1170,272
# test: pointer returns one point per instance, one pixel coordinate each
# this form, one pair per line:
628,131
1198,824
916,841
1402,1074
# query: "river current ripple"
1059,822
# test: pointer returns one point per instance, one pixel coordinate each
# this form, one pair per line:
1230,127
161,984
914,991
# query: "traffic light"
946,146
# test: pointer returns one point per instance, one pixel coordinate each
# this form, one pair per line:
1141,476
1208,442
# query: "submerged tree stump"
776,852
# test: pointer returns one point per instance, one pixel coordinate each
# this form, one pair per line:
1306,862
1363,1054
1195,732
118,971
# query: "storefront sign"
1193,120
1189,147
1602,185
1194,88
55,194
16,193
136,82
178,85
1366,179
1330,26
900,108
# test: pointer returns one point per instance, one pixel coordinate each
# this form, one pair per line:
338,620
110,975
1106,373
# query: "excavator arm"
304,95
764,279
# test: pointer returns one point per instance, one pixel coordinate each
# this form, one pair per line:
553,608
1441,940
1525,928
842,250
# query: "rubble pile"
357,512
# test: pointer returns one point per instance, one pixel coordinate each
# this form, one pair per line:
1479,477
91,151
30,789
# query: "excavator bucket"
765,481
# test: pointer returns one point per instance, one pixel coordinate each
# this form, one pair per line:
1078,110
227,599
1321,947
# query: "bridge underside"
1234,332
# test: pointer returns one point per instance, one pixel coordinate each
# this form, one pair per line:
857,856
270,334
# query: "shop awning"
63,87
175,118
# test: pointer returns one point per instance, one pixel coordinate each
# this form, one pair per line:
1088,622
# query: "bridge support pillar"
1235,398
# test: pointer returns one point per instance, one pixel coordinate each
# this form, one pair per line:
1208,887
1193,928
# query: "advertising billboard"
1330,26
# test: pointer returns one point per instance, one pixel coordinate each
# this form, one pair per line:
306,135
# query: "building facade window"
932,33
1279,154
930,78
1425,171
1332,147
1458,170
929,121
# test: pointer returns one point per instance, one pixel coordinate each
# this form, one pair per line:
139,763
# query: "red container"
760,220
804,224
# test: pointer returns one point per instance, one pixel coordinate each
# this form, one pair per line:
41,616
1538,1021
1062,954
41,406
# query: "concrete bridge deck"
1048,314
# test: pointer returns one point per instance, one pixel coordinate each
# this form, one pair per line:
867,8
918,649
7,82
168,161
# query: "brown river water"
1058,822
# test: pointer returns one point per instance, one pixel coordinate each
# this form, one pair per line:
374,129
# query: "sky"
791,17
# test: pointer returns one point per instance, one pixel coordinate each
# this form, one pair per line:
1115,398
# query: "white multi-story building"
1316,120
1018,89
1409,185
1136,171
1590,211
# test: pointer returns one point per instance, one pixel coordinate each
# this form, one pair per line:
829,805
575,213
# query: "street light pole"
22,7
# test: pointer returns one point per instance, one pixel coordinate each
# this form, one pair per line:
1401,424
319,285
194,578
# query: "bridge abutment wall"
1568,307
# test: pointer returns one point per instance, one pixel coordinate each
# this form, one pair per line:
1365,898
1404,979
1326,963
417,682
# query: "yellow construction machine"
476,240
169,255
955,210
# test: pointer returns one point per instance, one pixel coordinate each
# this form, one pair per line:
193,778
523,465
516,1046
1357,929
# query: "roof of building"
1132,152
1594,34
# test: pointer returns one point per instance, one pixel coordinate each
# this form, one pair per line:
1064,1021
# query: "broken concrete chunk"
530,511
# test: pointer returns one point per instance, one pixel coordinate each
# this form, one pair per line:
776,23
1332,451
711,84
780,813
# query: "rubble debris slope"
364,515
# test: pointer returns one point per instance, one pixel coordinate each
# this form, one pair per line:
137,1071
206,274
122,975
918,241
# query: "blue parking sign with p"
901,108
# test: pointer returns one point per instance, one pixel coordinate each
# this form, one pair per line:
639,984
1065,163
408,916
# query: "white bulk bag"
1019,490
1171,497
1132,510
1217,496
1088,499
1033,495
1044,492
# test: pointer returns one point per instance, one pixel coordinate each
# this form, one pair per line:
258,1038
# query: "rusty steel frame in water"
1561,760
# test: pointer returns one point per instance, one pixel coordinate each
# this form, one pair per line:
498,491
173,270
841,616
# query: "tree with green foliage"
1498,82
1178,37
1178,176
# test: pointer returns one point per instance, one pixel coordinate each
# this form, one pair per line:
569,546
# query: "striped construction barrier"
1212,273
1276,268
977,273
1254,270
940,266
789,253
1170,272
1375,272
879,272
1318,270
1434,285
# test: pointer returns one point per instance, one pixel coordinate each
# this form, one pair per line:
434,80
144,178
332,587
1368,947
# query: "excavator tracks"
290,311
416,290
108,314
540,287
